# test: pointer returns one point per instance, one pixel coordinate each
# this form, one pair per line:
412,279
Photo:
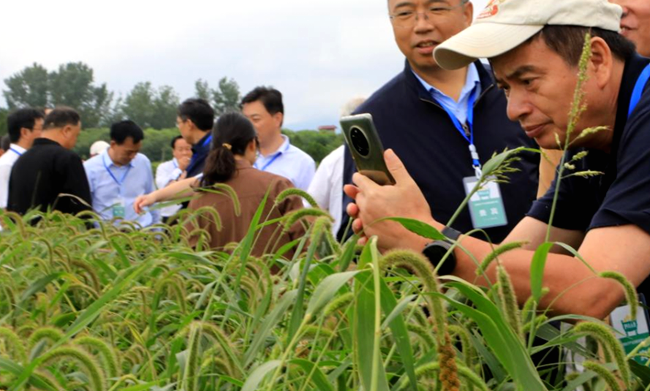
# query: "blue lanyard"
638,89
175,164
270,161
16,152
195,156
207,141
470,123
120,182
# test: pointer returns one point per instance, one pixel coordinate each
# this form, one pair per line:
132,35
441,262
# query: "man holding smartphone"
535,54
445,124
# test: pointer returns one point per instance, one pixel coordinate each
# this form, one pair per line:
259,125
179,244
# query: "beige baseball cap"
505,24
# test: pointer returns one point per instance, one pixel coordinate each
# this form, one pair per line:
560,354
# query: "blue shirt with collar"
200,151
290,162
472,82
105,191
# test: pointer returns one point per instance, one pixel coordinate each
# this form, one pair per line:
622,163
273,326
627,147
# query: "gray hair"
352,105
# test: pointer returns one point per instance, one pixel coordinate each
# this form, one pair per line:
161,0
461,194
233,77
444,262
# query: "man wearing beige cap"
534,47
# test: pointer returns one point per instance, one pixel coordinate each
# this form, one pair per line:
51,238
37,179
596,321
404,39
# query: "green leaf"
317,376
255,378
397,324
38,286
641,372
327,289
537,270
365,313
499,335
269,324
418,227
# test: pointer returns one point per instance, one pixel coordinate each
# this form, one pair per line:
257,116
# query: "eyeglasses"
408,19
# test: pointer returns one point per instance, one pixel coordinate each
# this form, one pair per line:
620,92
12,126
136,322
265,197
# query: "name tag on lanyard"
118,208
486,205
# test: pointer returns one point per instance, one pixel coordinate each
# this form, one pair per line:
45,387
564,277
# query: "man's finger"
357,226
363,182
396,168
351,191
352,209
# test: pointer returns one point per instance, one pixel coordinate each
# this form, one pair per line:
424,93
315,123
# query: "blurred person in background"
23,126
635,23
98,147
174,170
195,118
230,161
327,185
5,144
119,174
50,168
264,108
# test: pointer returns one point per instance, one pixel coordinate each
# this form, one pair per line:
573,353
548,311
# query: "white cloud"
319,53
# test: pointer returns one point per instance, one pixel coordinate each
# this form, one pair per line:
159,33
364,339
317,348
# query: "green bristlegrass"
14,343
604,374
86,362
609,343
296,193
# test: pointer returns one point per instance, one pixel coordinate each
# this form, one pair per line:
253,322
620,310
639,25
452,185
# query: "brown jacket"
250,185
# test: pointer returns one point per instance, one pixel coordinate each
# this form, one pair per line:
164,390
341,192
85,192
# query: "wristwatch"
436,250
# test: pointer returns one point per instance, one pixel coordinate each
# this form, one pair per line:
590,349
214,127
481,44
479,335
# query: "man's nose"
518,107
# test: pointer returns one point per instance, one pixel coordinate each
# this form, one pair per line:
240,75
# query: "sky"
318,53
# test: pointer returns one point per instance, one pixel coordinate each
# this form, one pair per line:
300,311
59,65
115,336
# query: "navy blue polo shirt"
622,195
200,151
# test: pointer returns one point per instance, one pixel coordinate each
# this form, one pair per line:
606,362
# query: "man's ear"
468,13
24,132
601,62
279,119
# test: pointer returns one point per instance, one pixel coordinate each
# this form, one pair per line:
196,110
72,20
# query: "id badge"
631,332
119,208
486,205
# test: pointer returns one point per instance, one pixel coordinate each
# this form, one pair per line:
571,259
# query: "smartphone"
366,149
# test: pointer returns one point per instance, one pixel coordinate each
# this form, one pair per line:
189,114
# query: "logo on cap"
491,9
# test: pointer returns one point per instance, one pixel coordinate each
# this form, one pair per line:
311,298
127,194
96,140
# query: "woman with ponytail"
230,161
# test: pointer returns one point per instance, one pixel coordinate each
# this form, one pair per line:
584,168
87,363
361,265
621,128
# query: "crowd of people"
440,119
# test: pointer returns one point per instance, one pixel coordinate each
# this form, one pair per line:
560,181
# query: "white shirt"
165,173
290,162
327,185
6,163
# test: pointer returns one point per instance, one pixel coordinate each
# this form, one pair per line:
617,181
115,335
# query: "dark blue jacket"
200,151
436,155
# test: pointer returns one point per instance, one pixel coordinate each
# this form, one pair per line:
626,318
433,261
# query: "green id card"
486,205
118,208
631,332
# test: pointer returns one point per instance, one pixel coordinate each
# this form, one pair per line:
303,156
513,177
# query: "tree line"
73,84
153,108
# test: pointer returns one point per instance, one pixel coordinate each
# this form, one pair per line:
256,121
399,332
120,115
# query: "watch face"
435,252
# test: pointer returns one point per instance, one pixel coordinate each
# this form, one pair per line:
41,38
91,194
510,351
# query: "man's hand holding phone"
374,202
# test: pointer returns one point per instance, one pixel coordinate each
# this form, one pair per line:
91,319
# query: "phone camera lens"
359,141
